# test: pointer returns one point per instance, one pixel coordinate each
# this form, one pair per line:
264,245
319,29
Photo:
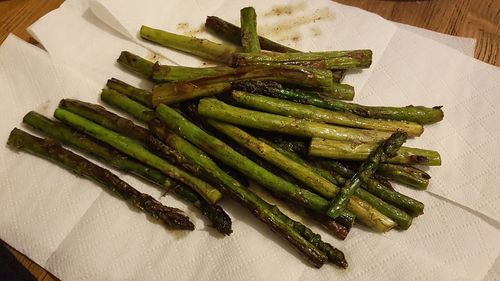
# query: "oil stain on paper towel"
292,17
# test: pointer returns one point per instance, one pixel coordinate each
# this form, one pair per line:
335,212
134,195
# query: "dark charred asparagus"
49,149
406,175
387,149
56,130
132,148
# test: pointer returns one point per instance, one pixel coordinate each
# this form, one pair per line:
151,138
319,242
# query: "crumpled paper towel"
105,240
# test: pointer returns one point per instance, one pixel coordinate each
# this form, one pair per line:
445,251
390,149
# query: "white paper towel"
110,242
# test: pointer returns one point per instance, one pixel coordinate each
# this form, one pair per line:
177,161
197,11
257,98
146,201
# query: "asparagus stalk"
322,60
139,95
226,182
168,73
307,77
232,33
221,111
293,164
122,102
135,150
49,149
302,173
387,149
417,114
360,151
56,130
203,48
277,185
194,154
297,110
249,37
127,128
339,173
407,175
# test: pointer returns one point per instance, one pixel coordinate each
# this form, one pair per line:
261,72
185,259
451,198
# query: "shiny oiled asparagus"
323,60
169,73
134,149
49,149
301,237
336,149
339,174
218,110
302,171
298,110
417,114
199,47
407,175
386,150
142,113
67,135
229,156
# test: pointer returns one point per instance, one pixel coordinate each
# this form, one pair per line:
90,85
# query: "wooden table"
478,19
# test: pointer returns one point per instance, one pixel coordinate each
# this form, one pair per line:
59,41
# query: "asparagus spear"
135,150
277,185
56,130
407,175
232,33
249,37
169,73
322,60
297,110
49,149
360,151
122,102
139,95
315,182
339,173
199,47
221,111
387,149
203,160
417,114
315,179
307,77
128,129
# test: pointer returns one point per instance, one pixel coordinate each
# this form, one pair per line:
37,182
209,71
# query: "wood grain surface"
478,19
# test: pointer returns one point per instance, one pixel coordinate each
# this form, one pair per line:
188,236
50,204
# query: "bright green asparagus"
213,146
298,110
218,110
417,114
135,150
199,47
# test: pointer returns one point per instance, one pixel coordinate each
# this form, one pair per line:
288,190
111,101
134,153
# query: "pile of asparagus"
275,118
